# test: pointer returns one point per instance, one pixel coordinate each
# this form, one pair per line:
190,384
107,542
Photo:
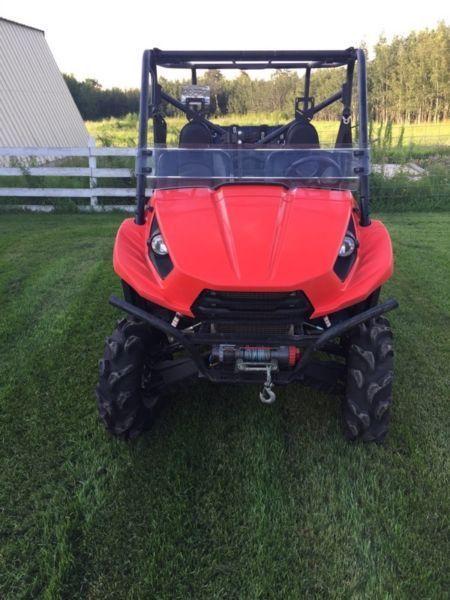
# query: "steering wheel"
299,168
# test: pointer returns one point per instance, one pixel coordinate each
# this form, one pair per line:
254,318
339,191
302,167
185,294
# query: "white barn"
36,107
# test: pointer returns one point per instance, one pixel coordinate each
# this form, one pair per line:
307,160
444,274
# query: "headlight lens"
348,246
159,245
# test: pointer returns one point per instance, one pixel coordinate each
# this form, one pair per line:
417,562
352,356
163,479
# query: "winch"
253,359
285,356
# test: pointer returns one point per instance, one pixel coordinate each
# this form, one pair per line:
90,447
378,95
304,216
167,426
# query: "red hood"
253,236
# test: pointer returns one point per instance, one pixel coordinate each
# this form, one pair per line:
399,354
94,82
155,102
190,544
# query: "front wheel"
124,402
370,372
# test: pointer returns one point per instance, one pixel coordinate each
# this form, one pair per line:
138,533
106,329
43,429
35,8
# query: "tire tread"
119,390
368,399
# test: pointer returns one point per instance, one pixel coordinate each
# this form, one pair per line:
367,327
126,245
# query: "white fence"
92,172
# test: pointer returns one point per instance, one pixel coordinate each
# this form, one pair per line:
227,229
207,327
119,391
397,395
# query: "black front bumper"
198,363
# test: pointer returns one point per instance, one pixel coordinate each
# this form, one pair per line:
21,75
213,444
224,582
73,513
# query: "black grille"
287,307
251,328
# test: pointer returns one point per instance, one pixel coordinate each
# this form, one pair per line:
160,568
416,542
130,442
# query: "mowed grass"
225,497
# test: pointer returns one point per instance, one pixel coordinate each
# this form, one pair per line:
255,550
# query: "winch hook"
267,395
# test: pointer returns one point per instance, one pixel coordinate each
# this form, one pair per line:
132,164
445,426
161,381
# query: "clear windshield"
211,166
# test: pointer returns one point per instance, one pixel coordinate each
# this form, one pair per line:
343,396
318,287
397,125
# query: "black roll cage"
152,96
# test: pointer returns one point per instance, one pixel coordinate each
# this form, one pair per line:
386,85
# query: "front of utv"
250,259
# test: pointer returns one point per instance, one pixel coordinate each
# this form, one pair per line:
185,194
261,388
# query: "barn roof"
21,24
36,107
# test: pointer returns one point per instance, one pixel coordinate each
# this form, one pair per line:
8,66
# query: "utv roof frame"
152,95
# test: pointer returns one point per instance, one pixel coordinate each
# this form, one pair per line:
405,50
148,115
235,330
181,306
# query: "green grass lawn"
225,497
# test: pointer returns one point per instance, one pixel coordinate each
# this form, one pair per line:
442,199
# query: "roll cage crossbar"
152,96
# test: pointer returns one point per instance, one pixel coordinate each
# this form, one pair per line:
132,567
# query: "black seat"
195,132
303,133
198,163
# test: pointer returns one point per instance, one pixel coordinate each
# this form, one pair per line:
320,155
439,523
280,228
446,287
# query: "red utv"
249,259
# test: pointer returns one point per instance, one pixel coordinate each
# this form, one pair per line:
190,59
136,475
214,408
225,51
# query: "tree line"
96,103
408,81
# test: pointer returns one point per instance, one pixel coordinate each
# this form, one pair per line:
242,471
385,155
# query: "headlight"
347,252
158,252
348,246
159,245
